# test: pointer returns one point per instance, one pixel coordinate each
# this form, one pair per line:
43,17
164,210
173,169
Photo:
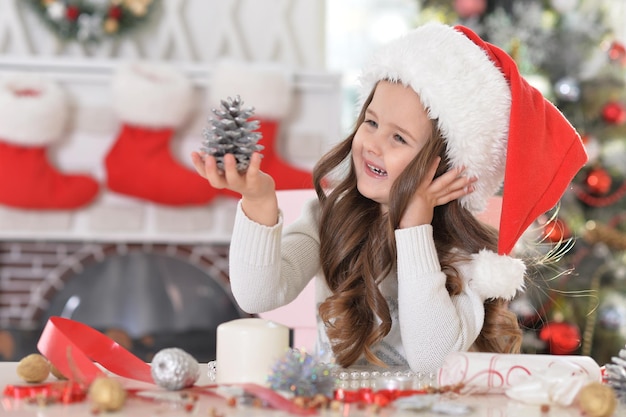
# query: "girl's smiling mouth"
379,172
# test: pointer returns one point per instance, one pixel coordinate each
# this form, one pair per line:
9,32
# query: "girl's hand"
257,189
434,192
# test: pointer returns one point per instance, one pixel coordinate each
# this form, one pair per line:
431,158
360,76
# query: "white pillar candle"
248,348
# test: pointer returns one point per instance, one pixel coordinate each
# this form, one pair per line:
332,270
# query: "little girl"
405,273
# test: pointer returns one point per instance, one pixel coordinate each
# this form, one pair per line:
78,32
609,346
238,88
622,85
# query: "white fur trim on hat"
462,88
496,276
33,110
264,86
151,95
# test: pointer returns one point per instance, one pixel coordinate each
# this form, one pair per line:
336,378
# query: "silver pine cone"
231,132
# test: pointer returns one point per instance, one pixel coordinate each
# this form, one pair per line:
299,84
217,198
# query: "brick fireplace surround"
32,273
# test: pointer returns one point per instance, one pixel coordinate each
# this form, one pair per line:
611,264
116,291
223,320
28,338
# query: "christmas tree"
575,302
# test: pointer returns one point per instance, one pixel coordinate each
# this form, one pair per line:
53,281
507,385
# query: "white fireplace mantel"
304,137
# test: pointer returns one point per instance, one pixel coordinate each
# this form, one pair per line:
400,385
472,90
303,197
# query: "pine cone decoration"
616,374
231,132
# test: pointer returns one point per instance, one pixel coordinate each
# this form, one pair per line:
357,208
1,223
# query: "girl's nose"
373,143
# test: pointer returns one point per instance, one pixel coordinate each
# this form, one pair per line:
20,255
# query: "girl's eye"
399,138
370,123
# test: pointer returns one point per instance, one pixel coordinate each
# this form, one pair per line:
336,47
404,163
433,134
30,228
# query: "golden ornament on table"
107,394
597,400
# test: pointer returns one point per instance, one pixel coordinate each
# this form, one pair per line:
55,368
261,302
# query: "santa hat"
497,126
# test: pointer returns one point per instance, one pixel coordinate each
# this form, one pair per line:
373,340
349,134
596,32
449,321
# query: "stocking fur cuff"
266,87
496,276
33,110
151,95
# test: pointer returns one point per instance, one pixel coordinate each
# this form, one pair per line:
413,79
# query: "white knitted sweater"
269,267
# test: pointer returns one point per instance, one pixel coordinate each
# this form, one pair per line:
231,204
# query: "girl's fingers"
229,177
451,186
231,174
433,168
198,163
215,176
255,164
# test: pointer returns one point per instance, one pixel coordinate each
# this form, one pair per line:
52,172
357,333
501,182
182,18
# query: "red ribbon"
368,396
73,347
63,392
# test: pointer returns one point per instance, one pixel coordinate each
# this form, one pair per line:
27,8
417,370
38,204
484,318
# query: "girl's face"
396,127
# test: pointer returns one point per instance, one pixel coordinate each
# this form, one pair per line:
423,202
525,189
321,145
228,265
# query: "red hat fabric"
544,152
497,126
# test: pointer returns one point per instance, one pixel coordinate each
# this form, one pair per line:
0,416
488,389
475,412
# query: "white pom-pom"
496,276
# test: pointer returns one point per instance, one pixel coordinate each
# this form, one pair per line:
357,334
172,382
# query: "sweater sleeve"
269,266
432,323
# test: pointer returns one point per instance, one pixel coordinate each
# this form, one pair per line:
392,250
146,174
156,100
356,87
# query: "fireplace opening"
147,302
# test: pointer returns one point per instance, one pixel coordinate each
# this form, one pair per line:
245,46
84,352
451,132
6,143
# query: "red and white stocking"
152,101
33,115
269,90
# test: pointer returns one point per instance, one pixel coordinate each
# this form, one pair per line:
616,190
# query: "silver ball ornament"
567,89
174,369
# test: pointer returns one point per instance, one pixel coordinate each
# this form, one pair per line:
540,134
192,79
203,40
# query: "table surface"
169,403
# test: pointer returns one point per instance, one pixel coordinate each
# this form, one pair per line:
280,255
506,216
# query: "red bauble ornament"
470,8
614,113
598,181
563,338
115,12
556,231
72,12
617,52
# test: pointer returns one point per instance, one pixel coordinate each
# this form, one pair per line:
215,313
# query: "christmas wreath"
92,21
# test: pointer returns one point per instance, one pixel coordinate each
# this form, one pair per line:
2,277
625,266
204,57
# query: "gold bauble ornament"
107,394
597,400
111,26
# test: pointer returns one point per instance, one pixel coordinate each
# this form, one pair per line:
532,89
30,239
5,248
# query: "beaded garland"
357,378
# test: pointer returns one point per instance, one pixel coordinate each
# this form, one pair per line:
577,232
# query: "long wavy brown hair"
358,252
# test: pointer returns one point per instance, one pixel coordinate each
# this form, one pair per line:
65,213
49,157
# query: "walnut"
33,368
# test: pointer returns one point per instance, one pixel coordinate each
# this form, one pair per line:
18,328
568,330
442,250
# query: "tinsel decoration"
232,132
174,369
616,373
301,374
